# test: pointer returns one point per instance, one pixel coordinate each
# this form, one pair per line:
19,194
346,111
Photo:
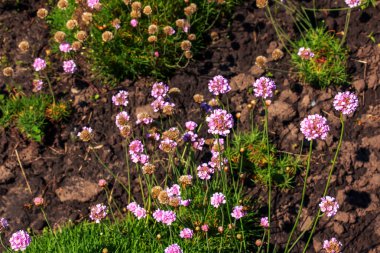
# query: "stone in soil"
77,189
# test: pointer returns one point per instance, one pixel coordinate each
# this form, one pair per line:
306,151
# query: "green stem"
47,221
50,88
2,244
302,198
346,25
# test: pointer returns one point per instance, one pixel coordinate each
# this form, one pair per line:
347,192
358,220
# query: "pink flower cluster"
69,66
37,85
238,212
65,47
329,206
134,22
264,222
218,85
305,53
159,92
174,248
122,119
332,246
92,3
204,228
174,192
144,118
137,210
135,151
3,224
190,136
315,127
20,240
346,102
204,171
167,145
98,212
353,3
166,217
121,98
220,122
186,233
217,199
264,87
39,64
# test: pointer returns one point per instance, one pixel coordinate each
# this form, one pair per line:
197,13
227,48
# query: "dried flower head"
62,4
167,145
190,10
156,190
23,46
261,3
346,102
264,87
168,30
217,199
353,3
186,180
277,54
198,98
116,23
135,14
144,117
122,119
125,131
163,198
76,45
220,122
180,23
305,53
261,61
39,64
218,85
38,201
71,24
148,168
20,240
8,71
173,248
152,29
59,36
152,39
121,98
127,2
332,246
174,201
168,108
173,134
87,17
329,206
136,6
98,212
42,13
3,224
69,66
191,37
147,10
186,45
315,127
107,36
37,85
86,134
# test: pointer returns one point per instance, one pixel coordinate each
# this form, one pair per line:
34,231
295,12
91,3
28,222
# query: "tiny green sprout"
371,37
96,96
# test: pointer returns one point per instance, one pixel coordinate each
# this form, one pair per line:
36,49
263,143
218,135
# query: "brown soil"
60,167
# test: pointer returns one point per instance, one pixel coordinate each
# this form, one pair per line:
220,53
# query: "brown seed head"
147,10
152,29
127,2
168,30
188,54
268,102
163,198
42,13
156,191
190,10
186,45
192,37
172,134
198,98
87,17
277,54
136,6
76,45
174,202
148,168
213,102
180,23
82,36
185,180
261,3
258,242
8,71
71,24
152,39
261,61
85,135
125,131
239,236
168,109
59,36
62,4
107,36
23,46
135,14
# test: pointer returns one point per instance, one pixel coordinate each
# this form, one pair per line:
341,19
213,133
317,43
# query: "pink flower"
174,191
134,22
305,53
98,212
238,212
189,136
217,199
218,85
135,157
174,248
168,217
158,104
143,159
39,64
158,214
314,127
264,222
120,98
204,227
346,102
264,87
204,171
65,47
220,122
69,66
167,145
186,233
198,144
86,134
132,206
156,54
102,183
37,85
144,118
329,206
353,3
38,201
217,162
332,246
92,3
122,119
185,202
20,240
136,147
140,212
191,125
159,90
3,224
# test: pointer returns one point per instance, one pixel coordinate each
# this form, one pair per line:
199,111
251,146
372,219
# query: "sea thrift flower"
218,85
122,119
191,125
264,87
121,98
92,3
353,3
140,212
198,144
168,217
102,183
134,22
136,147
314,127
3,224
144,118
37,85
38,201
98,212
158,104
167,145
174,191
264,222
158,214
156,54
159,90
305,53
185,202
20,240
329,206
39,64
143,159
238,212
217,162
217,199
332,246
132,206
65,47
346,102
86,134
220,122
174,248
204,227
69,66
204,171
186,180
186,233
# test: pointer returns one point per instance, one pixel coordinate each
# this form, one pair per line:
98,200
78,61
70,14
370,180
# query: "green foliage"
328,66
57,112
248,153
129,54
27,113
